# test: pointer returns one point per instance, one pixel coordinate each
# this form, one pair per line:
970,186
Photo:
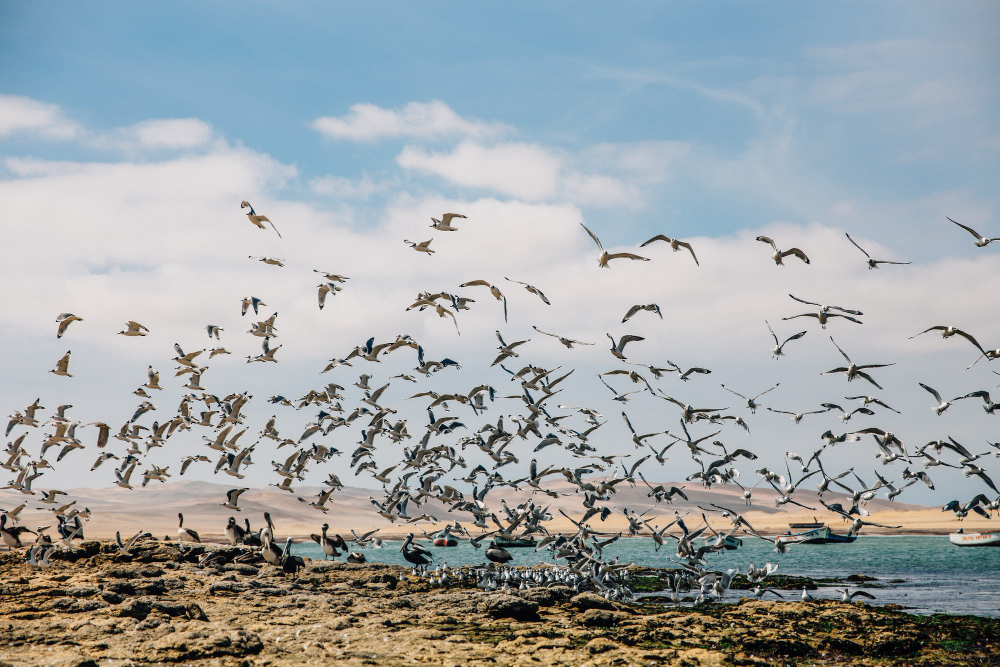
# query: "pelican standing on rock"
185,534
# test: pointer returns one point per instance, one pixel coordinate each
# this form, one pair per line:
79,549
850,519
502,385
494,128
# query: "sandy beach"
155,509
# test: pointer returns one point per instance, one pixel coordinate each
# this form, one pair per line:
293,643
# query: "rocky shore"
161,605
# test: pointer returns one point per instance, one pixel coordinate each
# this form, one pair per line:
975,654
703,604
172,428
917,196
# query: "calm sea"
926,574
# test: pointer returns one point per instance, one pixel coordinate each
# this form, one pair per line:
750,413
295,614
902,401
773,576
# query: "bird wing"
544,332
856,245
687,245
968,229
798,253
658,237
626,255
767,239
593,236
472,283
933,392
804,301
733,392
631,311
970,339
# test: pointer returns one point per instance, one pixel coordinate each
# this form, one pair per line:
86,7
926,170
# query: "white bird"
649,307
252,301
797,416
423,246
853,370
942,404
531,288
872,263
444,224
568,342
269,260
777,350
233,499
751,402
259,220
779,256
948,332
606,257
981,241
494,290
62,366
824,313
64,320
675,245
618,348
134,329
214,330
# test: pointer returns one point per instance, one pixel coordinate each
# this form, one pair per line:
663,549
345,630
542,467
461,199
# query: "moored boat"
963,539
728,542
505,543
444,539
813,533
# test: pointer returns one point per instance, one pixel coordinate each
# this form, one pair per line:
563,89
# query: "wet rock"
508,606
774,646
601,618
585,601
840,645
895,647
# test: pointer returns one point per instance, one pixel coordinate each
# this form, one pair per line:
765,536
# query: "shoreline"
160,606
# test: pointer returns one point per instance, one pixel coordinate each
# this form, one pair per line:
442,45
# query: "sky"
131,132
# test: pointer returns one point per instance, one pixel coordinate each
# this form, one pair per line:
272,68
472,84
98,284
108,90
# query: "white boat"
963,539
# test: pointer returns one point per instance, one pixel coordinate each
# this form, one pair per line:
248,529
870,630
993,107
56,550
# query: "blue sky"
129,132
884,101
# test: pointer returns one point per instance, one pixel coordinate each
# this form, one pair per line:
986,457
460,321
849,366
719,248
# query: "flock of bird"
467,466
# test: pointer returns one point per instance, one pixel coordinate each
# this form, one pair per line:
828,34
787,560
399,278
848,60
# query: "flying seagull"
872,263
258,220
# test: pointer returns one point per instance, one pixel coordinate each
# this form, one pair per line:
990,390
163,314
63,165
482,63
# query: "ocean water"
925,574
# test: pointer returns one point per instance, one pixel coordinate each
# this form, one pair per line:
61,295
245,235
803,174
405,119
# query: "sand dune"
155,509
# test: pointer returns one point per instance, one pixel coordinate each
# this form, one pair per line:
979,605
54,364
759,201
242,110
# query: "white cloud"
165,243
525,171
158,134
415,120
23,115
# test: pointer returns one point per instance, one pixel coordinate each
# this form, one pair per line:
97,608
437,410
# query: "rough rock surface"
160,606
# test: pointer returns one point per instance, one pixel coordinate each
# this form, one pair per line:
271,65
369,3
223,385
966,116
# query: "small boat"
728,542
444,539
963,539
813,533
505,543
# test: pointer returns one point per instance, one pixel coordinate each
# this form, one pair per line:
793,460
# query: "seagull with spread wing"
568,342
258,220
675,245
604,260
981,241
853,370
872,263
779,256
